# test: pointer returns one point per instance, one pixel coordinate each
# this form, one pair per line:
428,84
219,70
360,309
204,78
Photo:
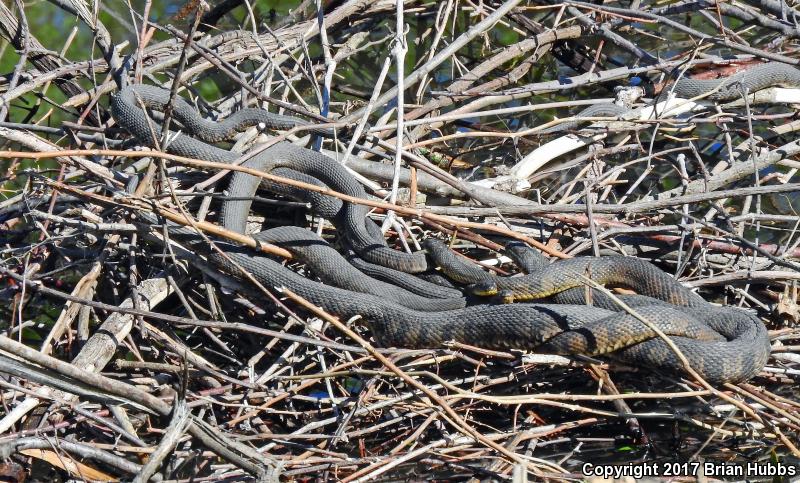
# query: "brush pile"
126,354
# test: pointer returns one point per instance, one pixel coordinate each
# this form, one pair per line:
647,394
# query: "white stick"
399,51
545,153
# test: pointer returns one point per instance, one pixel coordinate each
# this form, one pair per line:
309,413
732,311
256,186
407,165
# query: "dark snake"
721,344
360,232
751,79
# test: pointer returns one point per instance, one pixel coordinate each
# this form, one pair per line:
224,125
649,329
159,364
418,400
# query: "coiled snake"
721,344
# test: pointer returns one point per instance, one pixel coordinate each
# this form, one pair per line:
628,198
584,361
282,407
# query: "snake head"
484,288
430,244
505,296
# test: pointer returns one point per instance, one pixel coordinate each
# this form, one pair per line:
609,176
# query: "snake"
413,283
360,232
548,280
721,344
751,79
331,267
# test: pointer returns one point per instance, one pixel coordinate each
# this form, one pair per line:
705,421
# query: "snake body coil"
751,79
125,107
737,355
722,344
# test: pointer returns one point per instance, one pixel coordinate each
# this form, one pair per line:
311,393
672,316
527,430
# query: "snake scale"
720,343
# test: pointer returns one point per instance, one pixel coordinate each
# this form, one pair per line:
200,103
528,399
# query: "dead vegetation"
127,357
